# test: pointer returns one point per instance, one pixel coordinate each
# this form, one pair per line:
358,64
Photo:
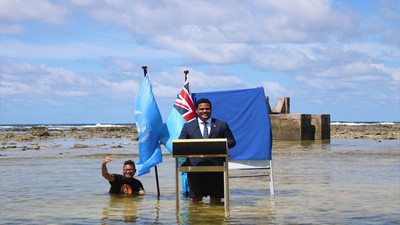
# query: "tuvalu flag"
182,112
149,125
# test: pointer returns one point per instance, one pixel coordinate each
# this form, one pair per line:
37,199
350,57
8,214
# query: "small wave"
60,126
103,125
362,123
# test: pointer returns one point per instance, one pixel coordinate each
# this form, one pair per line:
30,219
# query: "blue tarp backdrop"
247,115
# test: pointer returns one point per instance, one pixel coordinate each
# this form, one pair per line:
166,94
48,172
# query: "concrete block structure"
292,127
282,106
322,124
286,126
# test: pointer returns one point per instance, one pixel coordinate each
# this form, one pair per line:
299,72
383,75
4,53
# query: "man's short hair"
203,100
129,162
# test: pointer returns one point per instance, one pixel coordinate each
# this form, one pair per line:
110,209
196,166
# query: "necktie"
205,131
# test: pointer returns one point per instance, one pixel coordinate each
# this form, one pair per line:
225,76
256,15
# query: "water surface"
341,181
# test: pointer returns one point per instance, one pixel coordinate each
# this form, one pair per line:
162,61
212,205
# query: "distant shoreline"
26,134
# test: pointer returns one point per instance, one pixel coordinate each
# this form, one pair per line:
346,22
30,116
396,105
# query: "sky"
80,61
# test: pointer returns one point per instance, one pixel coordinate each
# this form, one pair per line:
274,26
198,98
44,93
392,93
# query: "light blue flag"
149,125
182,112
172,128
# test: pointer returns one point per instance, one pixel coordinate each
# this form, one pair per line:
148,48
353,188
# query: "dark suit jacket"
219,129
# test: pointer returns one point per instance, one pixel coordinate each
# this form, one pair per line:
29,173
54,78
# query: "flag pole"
186,74
144,70
155,167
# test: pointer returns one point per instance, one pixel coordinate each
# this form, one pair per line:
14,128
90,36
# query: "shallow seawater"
342,181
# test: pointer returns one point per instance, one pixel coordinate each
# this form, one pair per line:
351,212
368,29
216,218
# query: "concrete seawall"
286,126
300,126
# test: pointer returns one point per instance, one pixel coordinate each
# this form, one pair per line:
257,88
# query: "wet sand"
373,131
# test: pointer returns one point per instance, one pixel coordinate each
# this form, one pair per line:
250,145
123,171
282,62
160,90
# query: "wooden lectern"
192,148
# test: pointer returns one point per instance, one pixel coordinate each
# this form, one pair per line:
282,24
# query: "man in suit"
203,184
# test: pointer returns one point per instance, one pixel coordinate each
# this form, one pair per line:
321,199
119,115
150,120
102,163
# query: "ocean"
337,181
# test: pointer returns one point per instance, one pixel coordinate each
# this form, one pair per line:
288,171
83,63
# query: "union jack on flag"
184,103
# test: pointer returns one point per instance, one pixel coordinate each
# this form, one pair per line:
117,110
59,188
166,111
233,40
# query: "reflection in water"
202,213
301,145
121,206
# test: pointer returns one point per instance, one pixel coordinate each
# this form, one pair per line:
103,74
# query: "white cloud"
14,88
19,77
348,70
375,50
320,86
12,29
275,90
168,85
124,64
322,49
53,102
33,10
279,58
208,52
14,66
367,78
393,72
304,20
125,88
225,22
82,50
72,93
165,90
214,82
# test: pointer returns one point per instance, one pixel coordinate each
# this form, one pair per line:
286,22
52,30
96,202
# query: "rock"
28,137
24,148
100,145
8,146
9,135
371,131
40,131
374,131
80,146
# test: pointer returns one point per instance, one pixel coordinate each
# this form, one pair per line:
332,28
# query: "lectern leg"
177,184
226,185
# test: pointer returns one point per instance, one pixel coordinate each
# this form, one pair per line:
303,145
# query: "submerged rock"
80,146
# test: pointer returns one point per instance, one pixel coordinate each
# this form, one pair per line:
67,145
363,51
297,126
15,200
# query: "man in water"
125,183
203,184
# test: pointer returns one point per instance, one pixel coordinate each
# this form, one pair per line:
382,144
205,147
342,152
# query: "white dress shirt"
201,126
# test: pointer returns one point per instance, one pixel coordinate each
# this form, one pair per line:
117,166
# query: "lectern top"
200,140
192,147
